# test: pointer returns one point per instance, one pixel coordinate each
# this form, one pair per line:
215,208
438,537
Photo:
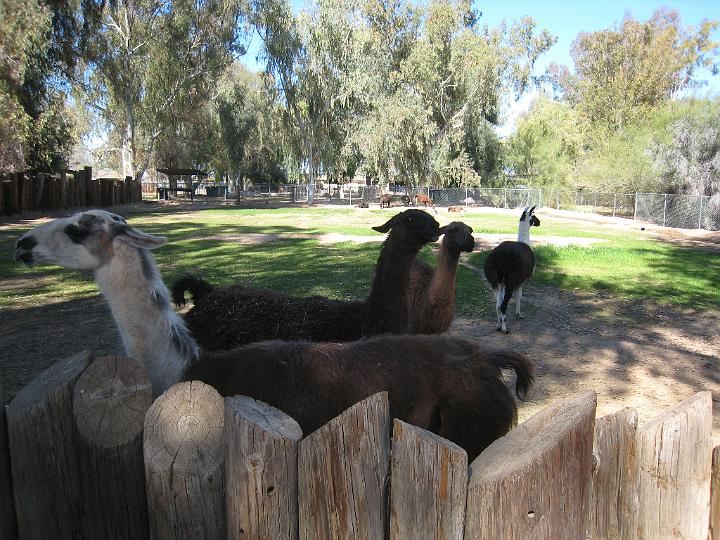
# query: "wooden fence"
91,456
21,193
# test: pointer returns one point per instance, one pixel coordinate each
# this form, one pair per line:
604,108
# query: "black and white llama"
509,266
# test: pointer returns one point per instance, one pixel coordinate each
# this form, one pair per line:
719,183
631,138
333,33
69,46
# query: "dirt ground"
632,353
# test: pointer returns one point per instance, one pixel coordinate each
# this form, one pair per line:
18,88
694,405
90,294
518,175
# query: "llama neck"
524,232
443,282
152,333
386,304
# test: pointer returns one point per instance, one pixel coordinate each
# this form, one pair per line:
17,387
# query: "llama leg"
499,294
503,309
518,298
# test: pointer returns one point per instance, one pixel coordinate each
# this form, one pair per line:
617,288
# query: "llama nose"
23,250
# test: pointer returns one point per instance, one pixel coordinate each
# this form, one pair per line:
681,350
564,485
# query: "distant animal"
225,317
362,204
456,209
509,266
388,198
432,290
449,385
468,201
421,198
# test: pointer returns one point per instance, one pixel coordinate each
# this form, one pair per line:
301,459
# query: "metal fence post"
636,205
466,197
594,203
505,195
700,213
557,199
614,203
665,209
539,198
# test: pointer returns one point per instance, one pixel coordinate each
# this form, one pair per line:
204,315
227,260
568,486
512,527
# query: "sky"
566,20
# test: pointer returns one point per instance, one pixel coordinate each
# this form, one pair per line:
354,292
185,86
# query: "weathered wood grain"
429,485
185,463
8,527
715,495
343,474
675,456
614,501
43,452
260,470
111,399
535,481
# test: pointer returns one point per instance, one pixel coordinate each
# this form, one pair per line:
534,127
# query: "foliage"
621,74
546,144
690,160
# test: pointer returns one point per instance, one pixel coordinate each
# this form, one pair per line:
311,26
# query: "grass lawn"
206,241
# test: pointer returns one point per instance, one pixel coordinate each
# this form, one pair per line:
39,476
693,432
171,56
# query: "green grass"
207,241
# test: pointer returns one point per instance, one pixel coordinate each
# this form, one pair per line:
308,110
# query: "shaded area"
631,352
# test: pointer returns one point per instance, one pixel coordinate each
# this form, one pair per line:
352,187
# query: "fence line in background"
568,474
21,193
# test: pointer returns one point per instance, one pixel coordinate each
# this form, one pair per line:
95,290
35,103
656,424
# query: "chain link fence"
682,211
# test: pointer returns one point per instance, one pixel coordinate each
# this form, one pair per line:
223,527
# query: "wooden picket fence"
91,455
21,193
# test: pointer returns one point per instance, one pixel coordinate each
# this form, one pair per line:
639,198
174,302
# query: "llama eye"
76,234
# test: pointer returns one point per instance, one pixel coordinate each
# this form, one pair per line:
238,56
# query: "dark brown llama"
225,317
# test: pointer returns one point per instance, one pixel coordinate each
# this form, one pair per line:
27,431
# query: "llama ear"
140,239
532,210
524,214
385,227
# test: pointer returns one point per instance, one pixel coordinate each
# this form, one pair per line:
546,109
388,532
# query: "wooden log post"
111,399
8,527
614,503
429,485
343,474
675,455
87,187
260,470
185,463
715,495
43,453
535,481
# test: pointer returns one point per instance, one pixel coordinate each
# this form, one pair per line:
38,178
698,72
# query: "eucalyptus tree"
622,73
450,88
154,62
310,60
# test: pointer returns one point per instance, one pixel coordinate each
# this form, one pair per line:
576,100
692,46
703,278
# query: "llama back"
509,255
234,316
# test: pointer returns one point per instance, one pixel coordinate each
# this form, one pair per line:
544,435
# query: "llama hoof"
506,331
519,316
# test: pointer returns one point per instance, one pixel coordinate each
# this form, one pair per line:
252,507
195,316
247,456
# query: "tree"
546,143
621,74
689,159
154,64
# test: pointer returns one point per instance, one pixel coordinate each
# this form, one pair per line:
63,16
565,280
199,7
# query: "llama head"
531,218
458,237
412,228
84,241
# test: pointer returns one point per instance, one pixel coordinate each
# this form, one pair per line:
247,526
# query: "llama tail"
197,287
521,364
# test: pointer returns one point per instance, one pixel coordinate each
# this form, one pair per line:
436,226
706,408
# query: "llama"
446,384
421,198
225,317
456,209
509,266
432,291
388,198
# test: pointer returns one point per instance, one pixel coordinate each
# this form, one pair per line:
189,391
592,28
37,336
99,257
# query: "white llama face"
81,242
